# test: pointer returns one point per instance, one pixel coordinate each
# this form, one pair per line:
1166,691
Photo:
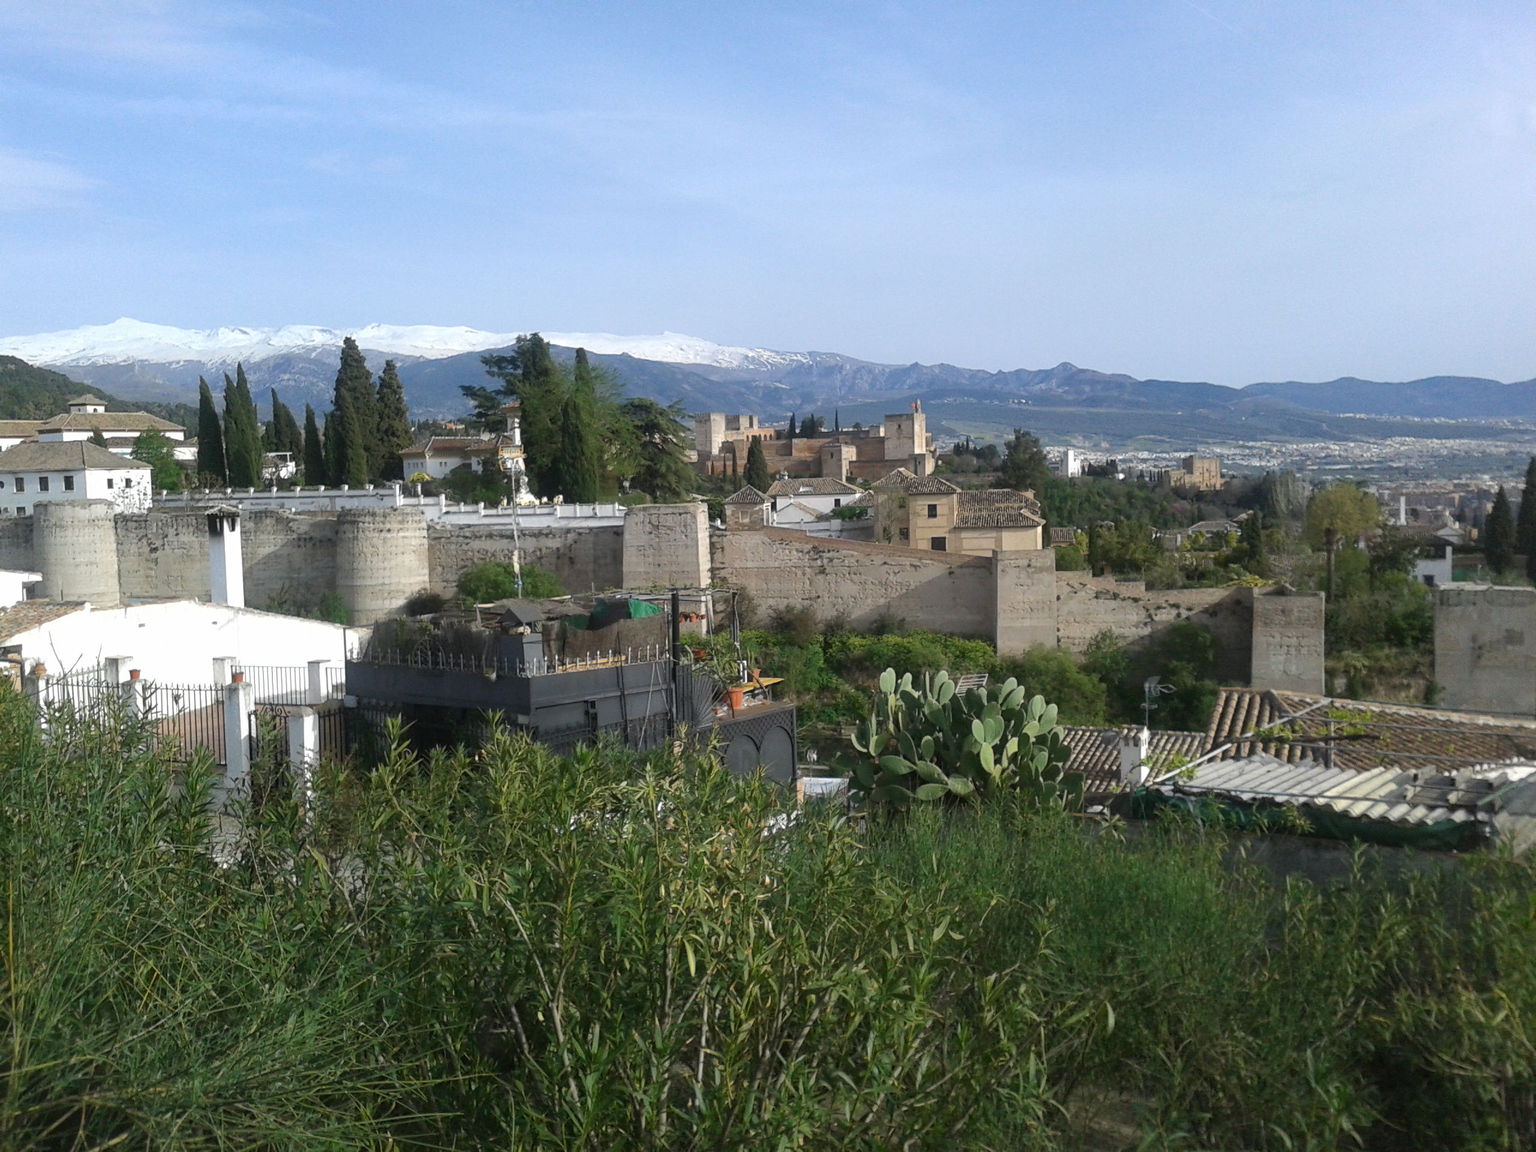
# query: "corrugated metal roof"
1383,794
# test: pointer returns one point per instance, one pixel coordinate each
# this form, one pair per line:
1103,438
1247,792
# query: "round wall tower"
75,543
381,560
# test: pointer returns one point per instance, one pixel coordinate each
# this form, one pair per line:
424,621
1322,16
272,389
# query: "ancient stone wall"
667,546
1287,641
580,558
1087,605
16,544
1485,649
857,583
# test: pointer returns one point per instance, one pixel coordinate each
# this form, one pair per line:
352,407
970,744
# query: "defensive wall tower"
381,560
75,544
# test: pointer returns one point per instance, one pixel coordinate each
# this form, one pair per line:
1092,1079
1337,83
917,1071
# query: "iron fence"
186,718
289,684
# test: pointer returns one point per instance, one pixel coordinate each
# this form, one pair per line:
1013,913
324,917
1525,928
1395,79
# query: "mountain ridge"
158,362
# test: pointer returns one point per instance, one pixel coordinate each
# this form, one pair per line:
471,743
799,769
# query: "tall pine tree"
211,469
394,423
314,450
1525,526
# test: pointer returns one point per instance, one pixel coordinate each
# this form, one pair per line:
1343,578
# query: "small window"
21,510
939,544
128,483
2,485
905,535
69,483
836,503
42,483
21,483
109,481
933,511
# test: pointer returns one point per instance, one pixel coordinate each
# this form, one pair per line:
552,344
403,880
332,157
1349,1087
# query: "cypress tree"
1499,534
576,464
242,432
757,466
357,431
314,449
1525,527
211,468
394,427
283,433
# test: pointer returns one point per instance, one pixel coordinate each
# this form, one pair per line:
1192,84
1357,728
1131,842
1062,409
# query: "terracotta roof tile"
30,614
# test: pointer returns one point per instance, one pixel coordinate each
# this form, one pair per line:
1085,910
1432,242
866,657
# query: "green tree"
757,467
1341,513
352,448
283,432
154,448
1499,534
97,438
529,375
211,468
394,428
1251,549
1024,467
314,450
242,432
1525,527
660,469
575,475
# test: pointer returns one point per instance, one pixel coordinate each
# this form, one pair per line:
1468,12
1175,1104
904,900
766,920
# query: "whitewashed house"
818,495
88,415
174,641
13,432
34,472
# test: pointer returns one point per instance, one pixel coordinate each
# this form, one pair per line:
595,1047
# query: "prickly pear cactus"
934,743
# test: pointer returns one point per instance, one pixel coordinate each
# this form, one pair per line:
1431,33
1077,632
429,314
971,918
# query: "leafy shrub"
495,580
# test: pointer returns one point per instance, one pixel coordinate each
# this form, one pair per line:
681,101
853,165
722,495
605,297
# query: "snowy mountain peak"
127,341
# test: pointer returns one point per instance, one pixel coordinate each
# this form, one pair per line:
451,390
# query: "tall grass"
505,949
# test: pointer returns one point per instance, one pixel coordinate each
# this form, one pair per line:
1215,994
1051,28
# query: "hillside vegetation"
508,950
31,393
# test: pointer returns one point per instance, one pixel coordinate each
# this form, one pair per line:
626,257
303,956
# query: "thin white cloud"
28,183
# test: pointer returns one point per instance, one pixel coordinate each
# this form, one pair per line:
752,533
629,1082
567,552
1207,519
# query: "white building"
819,495
173,642
88,415
34,472
13,585
13,432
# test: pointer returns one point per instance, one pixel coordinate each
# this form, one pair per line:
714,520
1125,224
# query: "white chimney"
226,567
1402,511
1135,746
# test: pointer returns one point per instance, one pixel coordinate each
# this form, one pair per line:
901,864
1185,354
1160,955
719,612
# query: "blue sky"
1226,190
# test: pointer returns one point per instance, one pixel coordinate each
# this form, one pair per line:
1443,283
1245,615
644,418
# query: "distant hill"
31,393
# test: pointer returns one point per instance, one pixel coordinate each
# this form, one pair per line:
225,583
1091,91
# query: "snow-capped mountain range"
127,340
133,360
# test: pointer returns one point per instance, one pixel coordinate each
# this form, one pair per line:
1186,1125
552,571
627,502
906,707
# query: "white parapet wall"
435,509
